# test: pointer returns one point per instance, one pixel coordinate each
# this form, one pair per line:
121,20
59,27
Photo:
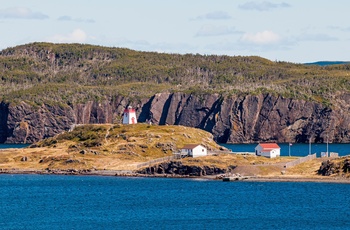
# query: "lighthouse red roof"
129,109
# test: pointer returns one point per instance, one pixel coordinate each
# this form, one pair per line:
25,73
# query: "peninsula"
148,150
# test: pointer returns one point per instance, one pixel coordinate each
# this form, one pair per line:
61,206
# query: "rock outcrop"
178,168
233,119
330,167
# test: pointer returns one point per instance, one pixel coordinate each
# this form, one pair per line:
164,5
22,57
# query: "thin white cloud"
77,36
21,13
262,6
316,37
211,30
216,15
65,18
144,45
261,38
70,19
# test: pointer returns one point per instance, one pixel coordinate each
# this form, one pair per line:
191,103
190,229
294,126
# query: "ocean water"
92,202
296,149
8,146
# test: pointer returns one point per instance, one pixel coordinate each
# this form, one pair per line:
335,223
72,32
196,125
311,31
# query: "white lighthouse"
129,116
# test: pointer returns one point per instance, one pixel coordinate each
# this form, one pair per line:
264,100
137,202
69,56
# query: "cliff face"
245,119
234,119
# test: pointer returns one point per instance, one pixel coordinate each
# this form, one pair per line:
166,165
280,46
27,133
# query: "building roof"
129,110
190,146
269,146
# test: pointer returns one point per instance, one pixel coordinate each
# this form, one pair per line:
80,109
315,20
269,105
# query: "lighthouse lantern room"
129,116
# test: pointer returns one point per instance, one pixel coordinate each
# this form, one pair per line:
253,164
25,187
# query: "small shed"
129,116
194,150
270,150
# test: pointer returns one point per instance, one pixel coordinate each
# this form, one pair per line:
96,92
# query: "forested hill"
49,88
71,73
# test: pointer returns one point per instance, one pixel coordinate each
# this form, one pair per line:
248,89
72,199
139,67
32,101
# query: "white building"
194,150
129,116
270,150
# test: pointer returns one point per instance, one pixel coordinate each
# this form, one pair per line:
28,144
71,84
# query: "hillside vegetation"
73,73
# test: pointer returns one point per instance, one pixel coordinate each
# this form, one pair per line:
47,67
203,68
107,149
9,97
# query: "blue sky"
295,31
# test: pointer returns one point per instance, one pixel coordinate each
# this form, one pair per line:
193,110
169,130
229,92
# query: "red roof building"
270,150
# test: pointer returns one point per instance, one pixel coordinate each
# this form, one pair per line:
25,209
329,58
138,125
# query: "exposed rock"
167,146
253,118
177,168
328,168
235,118
83,151
27,123
346,166
143,146
95,152
70,161
24,158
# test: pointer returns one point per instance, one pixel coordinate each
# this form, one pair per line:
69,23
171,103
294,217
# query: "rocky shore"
126,173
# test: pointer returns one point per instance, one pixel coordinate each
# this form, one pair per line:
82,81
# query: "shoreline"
338,180
125,173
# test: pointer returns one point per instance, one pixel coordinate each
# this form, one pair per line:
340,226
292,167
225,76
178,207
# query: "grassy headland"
122,147
105,147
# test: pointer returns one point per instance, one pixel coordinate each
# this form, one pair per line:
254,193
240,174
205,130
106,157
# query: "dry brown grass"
308,168
117,147
225,160
122,147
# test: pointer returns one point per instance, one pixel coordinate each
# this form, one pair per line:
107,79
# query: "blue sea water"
297,149
10,146
92,202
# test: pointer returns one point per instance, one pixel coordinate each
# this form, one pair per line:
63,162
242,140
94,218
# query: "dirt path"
107,133
259,170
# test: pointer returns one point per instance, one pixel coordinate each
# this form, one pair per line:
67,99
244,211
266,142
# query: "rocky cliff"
231,118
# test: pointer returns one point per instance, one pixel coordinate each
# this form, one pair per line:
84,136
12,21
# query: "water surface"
11,146
92,202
